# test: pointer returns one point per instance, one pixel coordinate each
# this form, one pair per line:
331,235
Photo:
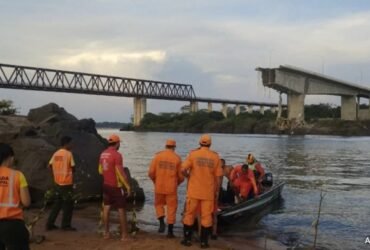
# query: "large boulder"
36,137
48,112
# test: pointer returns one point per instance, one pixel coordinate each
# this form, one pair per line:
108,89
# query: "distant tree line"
255,122
115,125
322,110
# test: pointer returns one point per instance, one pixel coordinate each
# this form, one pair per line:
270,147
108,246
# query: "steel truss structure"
31,78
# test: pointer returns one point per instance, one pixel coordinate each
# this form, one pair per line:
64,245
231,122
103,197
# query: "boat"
249,207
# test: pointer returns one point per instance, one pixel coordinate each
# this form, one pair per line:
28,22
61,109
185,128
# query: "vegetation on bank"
203,121
7,108
320,119
115,125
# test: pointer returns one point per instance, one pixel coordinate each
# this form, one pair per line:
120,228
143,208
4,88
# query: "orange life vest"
10,194
62,163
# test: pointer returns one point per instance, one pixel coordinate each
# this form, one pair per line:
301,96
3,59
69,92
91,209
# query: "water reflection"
308,164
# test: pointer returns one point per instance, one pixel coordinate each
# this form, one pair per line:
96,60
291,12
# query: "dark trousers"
13,235
63,199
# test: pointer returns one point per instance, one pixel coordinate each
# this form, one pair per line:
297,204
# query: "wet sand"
87,237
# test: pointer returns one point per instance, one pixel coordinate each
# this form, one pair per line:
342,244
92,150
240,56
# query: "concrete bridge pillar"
296,106
210,107
262,110
348,108
193,106
273,110
250,109
224,109
139,110
237,109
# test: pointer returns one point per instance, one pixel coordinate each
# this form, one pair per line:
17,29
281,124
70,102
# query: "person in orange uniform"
243,181
14,195
226,169
203,168
116,185
256,167
165,172
62,165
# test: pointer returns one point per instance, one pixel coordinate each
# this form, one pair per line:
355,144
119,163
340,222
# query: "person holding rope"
14,195
165,172
114,182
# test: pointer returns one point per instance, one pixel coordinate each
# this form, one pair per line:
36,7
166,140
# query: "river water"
339,166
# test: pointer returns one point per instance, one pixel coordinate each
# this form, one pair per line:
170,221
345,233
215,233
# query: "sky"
212,44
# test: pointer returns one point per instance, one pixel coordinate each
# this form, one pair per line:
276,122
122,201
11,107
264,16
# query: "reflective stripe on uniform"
11,192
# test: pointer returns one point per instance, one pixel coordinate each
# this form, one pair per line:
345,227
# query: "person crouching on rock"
63,167
14,195
114,180
165,172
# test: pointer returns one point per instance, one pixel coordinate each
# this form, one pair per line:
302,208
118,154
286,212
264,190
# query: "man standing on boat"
165,172
203,168
243,181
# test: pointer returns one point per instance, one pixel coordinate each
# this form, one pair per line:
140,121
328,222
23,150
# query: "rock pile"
36,137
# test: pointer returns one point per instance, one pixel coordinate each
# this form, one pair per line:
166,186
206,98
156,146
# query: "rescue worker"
259,172
165,172
243,181
226,169
116,185
63,166
203,168
14,195
225,196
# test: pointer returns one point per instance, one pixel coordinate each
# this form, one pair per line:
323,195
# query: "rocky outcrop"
36,137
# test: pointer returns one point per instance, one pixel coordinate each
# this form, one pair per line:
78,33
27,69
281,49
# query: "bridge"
297,83
44,79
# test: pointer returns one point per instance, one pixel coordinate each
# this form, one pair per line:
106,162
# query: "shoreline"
87,236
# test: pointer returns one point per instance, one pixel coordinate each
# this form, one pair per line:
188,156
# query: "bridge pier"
250,109
210,107
139,110
224,109
262,110
348,108
193,106
237,109
273,110
296,106
363,113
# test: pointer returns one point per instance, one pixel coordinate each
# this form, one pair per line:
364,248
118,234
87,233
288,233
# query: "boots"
204,237
188,231
162,226
170,231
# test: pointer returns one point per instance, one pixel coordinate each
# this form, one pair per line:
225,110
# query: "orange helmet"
250,159
205,140
113,138
171,142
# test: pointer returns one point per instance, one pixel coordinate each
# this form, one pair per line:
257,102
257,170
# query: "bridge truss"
31,78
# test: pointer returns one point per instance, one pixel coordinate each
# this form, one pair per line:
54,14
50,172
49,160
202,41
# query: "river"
339,166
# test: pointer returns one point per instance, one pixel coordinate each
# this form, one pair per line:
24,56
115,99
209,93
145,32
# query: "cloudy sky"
214,45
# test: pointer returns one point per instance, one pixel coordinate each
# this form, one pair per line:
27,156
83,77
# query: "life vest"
62,163
10,194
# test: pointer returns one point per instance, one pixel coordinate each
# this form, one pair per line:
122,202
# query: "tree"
6,107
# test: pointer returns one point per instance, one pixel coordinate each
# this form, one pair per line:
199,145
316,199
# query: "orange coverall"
204,168
243,182
258,167
165,172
